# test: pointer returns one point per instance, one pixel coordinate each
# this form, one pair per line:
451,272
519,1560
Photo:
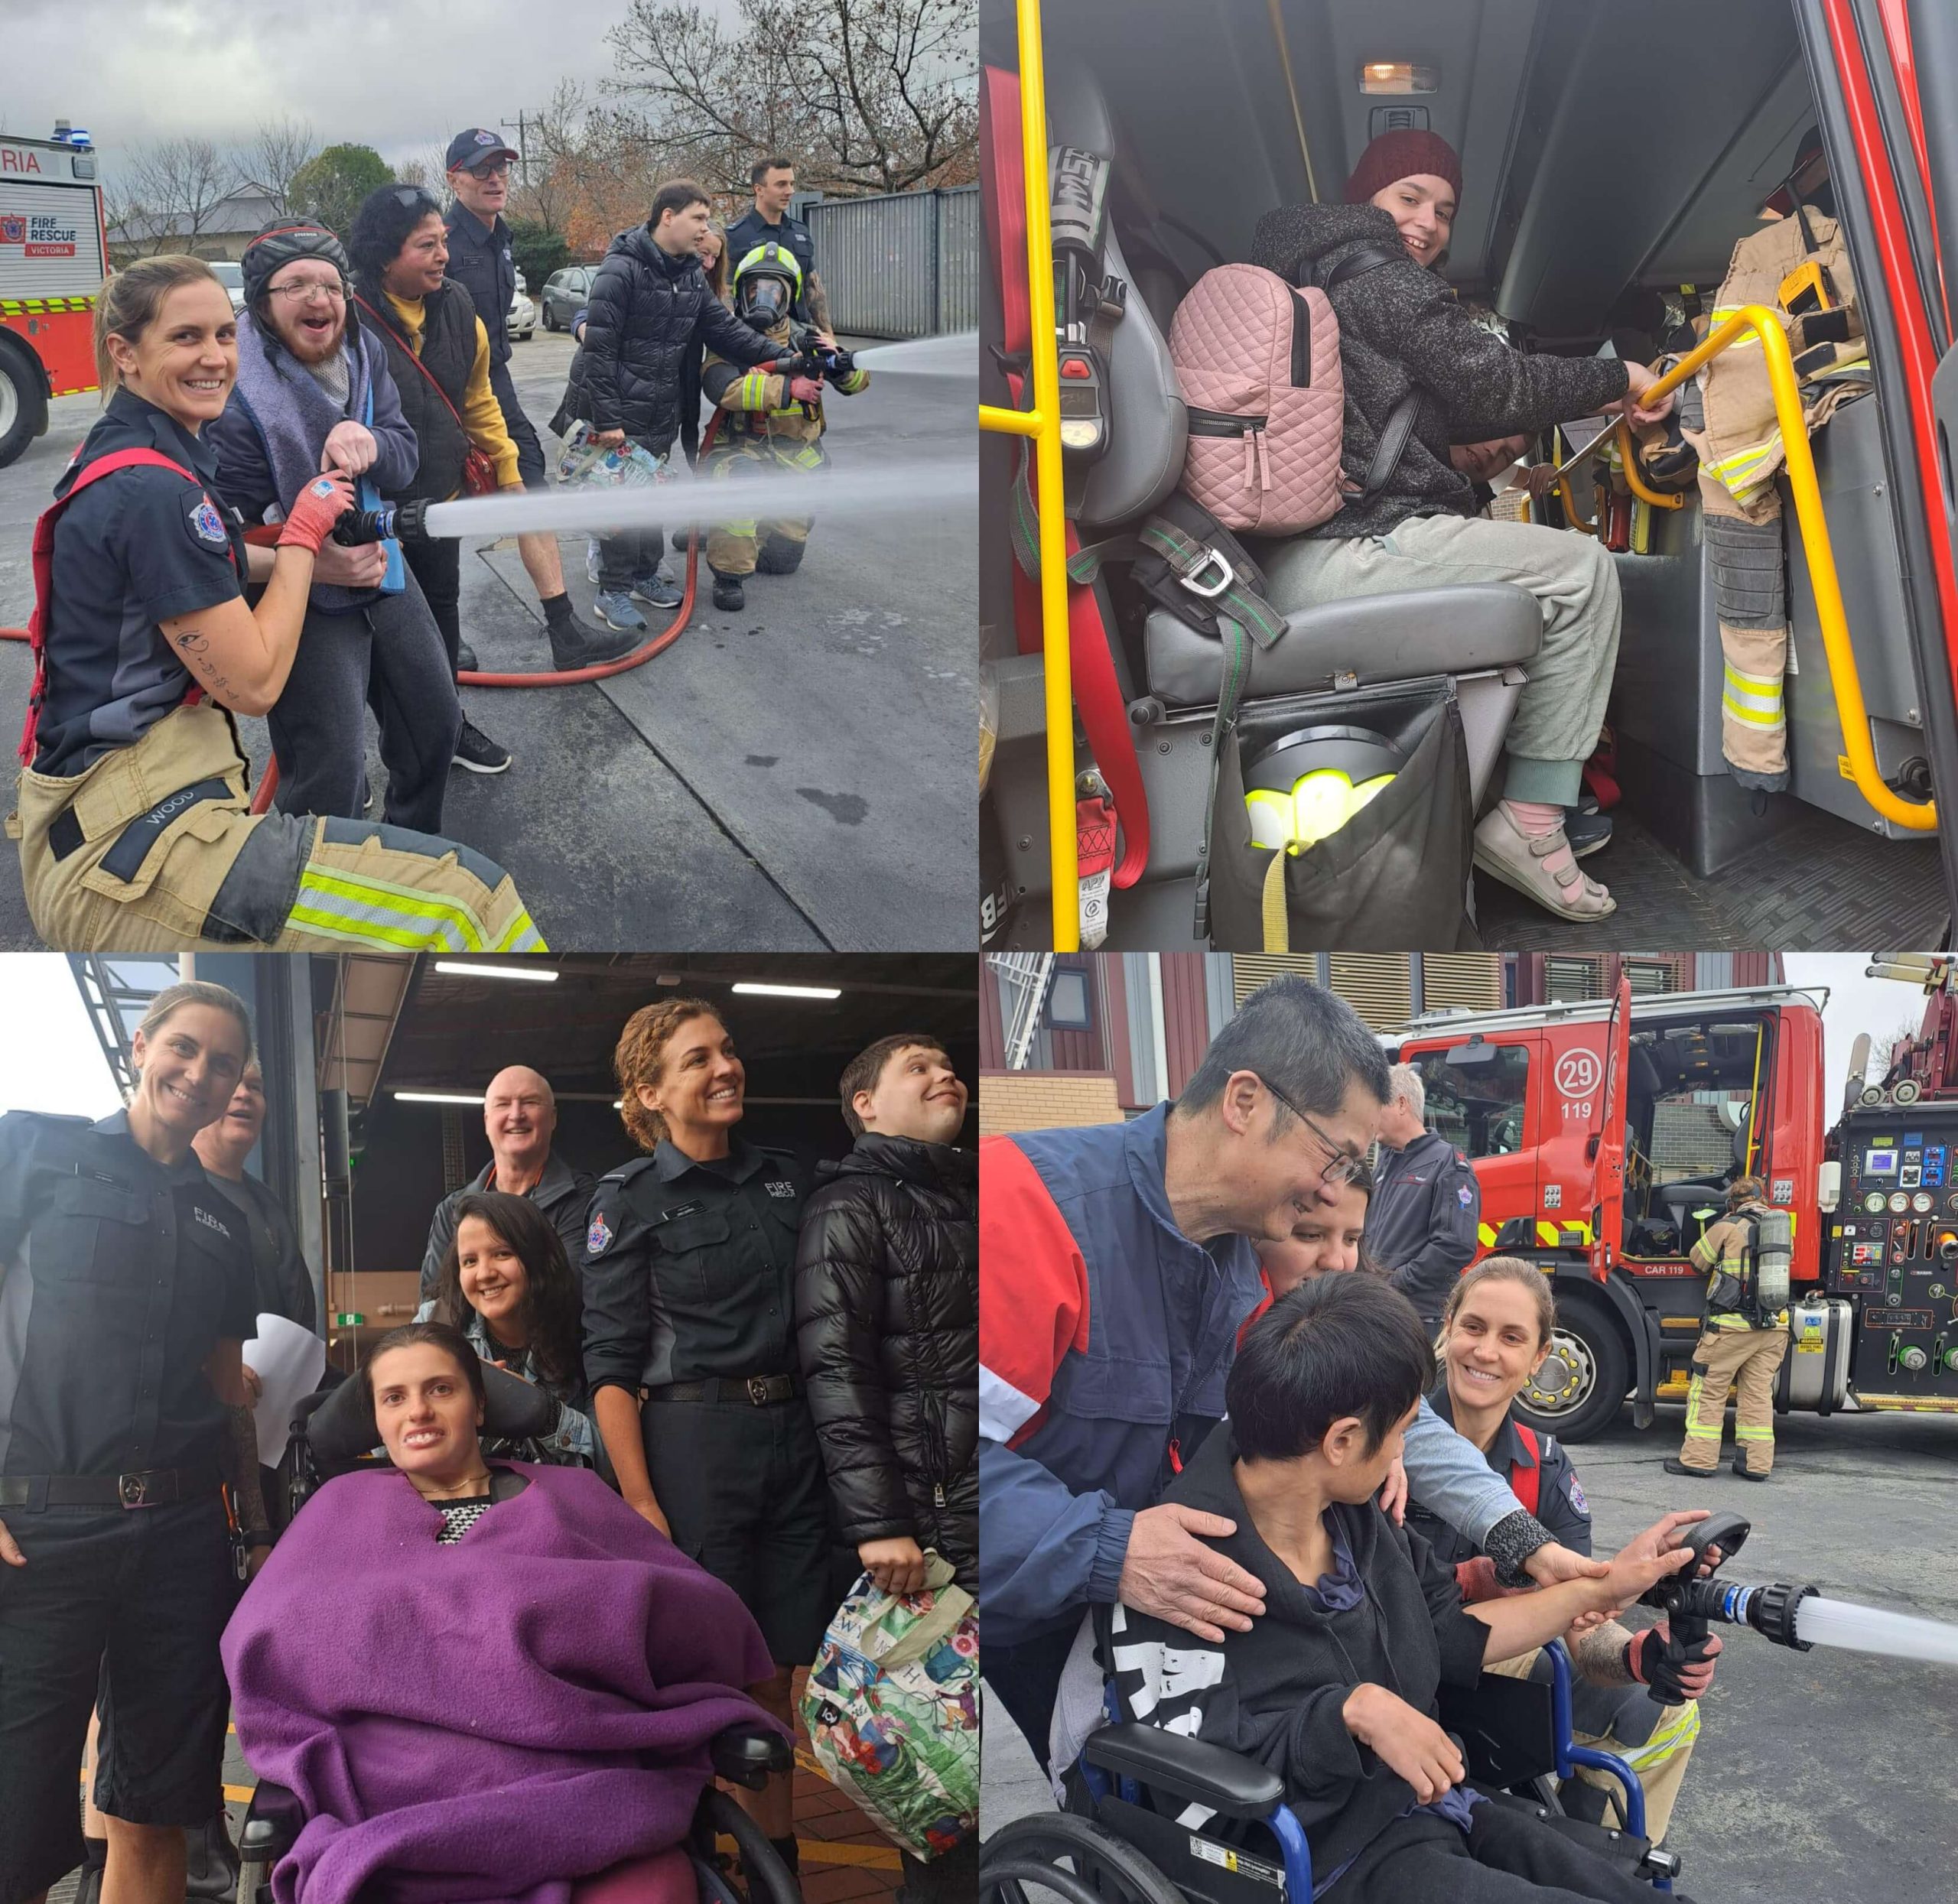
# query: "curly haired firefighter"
1796,266
768,421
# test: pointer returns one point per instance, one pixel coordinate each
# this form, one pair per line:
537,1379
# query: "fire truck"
54,256
1603,1134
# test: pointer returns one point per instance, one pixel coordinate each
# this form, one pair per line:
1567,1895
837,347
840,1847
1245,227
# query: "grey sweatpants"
1562,705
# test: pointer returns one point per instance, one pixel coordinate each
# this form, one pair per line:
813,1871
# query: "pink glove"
321,504
805,390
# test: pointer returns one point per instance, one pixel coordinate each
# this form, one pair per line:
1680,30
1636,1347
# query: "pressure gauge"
1924,1203
1873,1203
1900,1201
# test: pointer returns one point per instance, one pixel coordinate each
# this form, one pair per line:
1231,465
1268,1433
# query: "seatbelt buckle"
1084,415
1196,581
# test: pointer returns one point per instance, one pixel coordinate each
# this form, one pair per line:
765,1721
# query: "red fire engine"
54,256
1604,1133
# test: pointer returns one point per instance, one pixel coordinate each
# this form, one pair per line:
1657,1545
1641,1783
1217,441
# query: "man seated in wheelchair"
1336,1688
434,1662
1496,1331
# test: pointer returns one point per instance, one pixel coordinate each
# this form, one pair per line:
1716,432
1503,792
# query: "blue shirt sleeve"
1043,1551
172,540
1447,1475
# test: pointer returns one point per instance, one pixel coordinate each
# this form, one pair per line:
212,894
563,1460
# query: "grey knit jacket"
1399,326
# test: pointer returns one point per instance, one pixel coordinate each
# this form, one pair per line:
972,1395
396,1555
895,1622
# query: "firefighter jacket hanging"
1729,419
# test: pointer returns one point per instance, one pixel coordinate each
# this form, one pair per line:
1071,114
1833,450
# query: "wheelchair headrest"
342,1428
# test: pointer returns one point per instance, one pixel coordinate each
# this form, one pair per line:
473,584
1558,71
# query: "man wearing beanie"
1401,331
314,393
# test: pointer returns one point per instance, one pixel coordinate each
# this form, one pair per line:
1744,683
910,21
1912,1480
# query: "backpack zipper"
1219,422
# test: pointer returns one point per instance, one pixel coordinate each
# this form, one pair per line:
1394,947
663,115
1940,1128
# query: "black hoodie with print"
1275,1693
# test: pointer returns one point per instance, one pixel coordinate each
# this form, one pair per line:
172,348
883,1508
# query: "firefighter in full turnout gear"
1745,1335
768,421
1797,266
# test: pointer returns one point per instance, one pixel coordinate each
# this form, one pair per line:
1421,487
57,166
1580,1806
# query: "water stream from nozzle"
1841,1623
955,354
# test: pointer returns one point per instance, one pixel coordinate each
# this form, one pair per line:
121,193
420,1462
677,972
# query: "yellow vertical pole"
1065,861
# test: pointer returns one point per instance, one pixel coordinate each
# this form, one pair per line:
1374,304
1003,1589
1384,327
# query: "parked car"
231,277
523,316
566,292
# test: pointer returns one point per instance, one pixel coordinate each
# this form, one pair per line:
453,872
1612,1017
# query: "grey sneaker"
616,610
655,591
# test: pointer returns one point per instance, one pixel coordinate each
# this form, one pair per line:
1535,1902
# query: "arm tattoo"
1601,1654
240,1461
197,648
818,301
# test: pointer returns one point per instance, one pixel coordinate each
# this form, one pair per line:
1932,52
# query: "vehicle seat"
1147,424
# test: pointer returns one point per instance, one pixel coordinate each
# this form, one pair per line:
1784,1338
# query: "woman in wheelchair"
506,1284
481,1679
1495,1333
1335,1689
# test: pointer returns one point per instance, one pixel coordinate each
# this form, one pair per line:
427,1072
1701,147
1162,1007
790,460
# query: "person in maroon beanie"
1403,338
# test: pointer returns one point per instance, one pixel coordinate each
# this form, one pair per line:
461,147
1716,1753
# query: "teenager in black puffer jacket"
887,1316
651,309
1399,327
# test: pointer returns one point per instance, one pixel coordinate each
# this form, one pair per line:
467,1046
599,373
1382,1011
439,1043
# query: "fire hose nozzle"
392,522
1770,1609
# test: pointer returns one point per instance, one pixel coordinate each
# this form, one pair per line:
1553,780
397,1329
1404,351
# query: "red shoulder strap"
43,571
1097,691
1526,1484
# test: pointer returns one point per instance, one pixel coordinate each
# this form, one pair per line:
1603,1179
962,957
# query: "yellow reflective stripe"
1743,459
377,909
523,936
1720,316
1768,687
1486,1234
1765,1433
12,306
1546,1232
1671,1735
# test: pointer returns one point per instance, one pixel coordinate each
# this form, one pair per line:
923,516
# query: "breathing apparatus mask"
766,284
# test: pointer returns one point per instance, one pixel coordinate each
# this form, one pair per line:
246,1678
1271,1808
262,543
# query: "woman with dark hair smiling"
507,1286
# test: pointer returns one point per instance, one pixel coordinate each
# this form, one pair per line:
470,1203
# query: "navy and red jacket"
1105,1335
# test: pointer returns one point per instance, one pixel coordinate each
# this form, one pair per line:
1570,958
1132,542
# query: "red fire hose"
261,798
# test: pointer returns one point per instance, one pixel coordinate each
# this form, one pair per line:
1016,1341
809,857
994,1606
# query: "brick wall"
1045,1100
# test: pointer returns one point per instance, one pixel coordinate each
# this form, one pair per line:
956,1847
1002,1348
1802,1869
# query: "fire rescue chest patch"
598,1238
206,524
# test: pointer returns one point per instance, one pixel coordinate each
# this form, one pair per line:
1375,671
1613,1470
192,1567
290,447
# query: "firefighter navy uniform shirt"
135,549
480,258
745,233
284,1284
118,1277
689,1268
1422,1223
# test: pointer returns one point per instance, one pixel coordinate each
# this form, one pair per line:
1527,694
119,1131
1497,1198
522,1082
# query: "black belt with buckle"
761,1390
151,1487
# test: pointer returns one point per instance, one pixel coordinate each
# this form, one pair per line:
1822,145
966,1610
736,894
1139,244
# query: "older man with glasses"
1116,1266
1423,1225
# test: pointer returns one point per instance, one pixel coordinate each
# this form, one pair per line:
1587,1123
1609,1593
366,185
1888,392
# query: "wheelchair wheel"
1076,1861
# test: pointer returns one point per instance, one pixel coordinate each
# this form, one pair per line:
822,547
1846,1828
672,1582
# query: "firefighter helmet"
767,282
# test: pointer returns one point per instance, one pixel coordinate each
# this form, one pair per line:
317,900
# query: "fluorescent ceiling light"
541,974
438,1097
792,991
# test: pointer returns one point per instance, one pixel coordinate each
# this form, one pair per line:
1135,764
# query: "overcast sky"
49,1060
400,78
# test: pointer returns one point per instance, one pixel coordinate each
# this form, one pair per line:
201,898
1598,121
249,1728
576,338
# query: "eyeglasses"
308,287
415,195
1345,1168
489,168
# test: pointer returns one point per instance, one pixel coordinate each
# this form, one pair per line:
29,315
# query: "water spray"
1795,1616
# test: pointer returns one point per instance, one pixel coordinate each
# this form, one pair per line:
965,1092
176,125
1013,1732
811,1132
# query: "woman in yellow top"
438,352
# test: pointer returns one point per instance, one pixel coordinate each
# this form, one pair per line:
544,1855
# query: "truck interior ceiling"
1612,156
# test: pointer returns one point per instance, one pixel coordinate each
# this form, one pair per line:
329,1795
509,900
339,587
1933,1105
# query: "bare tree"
425,168
167,192
867,95
1886,1051
276,151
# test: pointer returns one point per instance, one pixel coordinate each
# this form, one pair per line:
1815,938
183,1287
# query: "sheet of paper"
289,1361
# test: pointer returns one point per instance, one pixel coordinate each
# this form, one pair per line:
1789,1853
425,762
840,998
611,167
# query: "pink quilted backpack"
1259,364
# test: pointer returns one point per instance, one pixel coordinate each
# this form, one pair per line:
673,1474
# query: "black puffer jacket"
887,1326
1400,326
648,316
448,355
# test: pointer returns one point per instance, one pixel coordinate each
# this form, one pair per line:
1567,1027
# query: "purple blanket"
487,1720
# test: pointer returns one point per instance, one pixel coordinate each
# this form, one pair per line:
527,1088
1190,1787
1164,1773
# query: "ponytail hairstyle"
128,301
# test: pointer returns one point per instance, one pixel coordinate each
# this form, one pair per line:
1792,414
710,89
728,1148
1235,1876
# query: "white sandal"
1504,851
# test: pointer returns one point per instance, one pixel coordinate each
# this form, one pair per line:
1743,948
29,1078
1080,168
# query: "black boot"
465,658
1740,1467
210,1861
1676,1466
779,555
728,595
576,644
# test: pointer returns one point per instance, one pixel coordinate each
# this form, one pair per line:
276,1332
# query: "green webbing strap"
1236,671
1189,556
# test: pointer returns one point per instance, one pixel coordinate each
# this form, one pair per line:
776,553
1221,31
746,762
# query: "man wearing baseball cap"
479,169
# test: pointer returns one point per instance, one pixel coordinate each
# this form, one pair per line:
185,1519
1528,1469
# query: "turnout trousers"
1724,1357
154,848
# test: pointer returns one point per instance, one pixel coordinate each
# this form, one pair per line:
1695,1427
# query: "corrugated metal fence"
901,264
